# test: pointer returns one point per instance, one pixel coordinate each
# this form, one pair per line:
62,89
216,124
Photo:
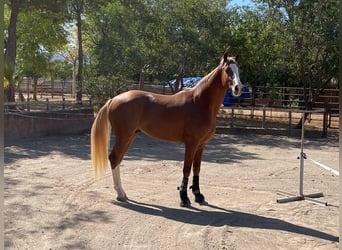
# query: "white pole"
301,171
326,167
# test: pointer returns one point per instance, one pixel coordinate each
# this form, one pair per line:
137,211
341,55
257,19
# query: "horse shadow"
222,217
218,150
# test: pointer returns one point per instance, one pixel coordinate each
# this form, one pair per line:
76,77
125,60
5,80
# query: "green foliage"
305,34
35,48
100,88
156,37
50,9
282,42
61,70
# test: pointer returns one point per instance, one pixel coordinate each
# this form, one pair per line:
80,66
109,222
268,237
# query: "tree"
282,42
157,38
61,70
37,47
76,10
309,44
15,7
10,48
193,35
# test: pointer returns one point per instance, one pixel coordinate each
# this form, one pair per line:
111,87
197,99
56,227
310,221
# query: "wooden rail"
46,105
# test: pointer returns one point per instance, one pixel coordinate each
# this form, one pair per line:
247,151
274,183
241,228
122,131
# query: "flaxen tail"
99,140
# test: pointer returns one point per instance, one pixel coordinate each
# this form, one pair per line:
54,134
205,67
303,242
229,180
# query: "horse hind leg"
120,148
121,195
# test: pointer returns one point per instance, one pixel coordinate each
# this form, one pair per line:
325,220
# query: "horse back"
166,117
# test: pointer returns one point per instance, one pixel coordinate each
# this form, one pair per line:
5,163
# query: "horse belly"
177,126
164,128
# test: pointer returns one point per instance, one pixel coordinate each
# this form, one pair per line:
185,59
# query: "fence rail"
275,118
276,97
265,107
46,105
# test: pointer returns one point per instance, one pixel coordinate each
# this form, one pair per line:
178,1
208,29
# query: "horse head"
231,73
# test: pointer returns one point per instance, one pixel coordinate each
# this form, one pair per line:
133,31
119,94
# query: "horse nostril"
236,91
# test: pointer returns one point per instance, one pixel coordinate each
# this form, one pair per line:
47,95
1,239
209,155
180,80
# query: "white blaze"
236,74
236,80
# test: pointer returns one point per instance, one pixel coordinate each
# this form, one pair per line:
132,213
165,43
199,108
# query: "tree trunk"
142,80
63,86
10,53
52,87
35,81
74,85
79,77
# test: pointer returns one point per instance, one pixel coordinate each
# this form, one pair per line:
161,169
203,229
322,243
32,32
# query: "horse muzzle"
237,89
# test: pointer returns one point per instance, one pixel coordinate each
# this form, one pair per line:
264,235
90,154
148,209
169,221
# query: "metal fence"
46,105
275,97
280,120
266,108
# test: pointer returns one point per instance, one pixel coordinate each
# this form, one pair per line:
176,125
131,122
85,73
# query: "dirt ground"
53,200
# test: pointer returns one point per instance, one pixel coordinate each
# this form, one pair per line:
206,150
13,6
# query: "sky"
240,2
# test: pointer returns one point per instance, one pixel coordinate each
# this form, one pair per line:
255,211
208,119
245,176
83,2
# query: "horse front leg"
183,189
183,193
196,170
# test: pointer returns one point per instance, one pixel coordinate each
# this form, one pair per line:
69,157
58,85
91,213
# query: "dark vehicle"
229,99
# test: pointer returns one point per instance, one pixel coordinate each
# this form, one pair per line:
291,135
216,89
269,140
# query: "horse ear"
225,56
237,57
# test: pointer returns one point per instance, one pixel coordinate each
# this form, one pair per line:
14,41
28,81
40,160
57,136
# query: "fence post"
290,122
253,95
47,104
263,116
141,80
63,103
28,105
325,122
232,118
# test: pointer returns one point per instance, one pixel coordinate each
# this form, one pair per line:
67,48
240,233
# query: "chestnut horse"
188,117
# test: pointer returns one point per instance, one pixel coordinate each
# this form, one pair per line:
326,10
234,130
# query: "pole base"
308,197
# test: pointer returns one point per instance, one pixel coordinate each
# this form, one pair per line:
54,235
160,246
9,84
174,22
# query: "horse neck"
211,91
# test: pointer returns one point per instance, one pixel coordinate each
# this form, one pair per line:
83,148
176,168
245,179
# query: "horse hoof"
199,198
185,203
122,199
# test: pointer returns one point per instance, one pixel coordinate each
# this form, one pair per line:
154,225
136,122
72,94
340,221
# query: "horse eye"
229,72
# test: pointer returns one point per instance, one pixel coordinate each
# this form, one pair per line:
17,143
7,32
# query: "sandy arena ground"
53,200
